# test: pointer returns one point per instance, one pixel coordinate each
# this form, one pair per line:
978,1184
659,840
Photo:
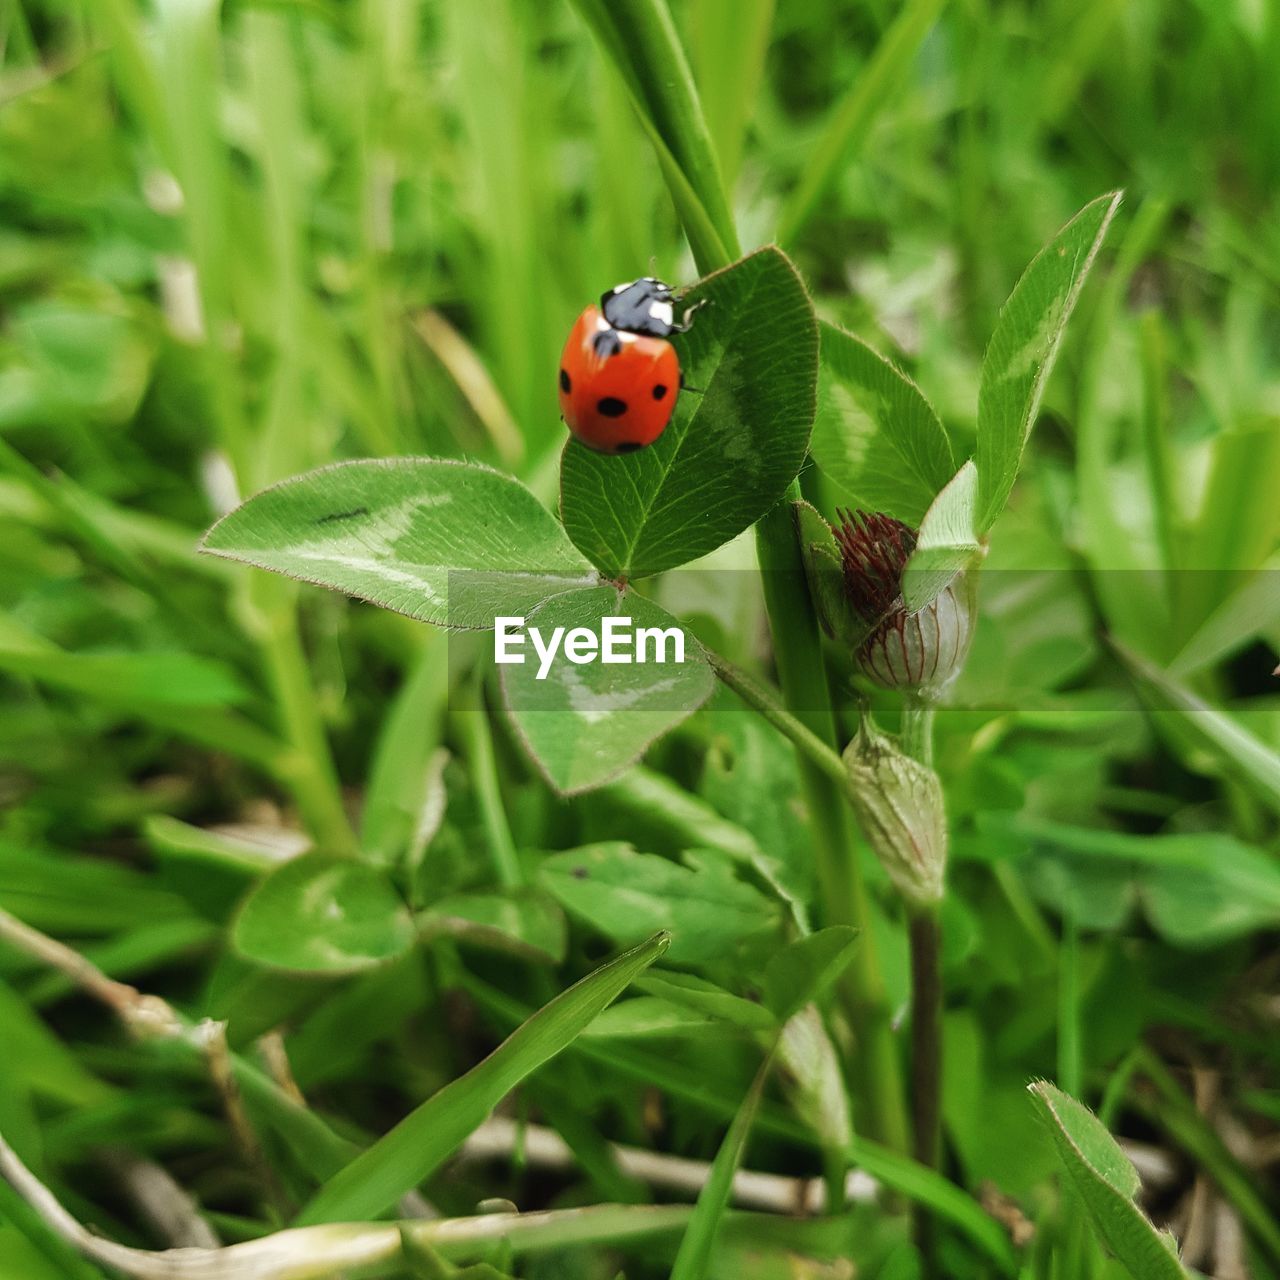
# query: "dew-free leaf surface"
584,724
1024,346
730,450
1107,1183
875,433
453,543
625,894
694,1257
804,969
325,914
948,540
1242,752
526,924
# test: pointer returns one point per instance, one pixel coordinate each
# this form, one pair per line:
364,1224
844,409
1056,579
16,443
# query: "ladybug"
619,374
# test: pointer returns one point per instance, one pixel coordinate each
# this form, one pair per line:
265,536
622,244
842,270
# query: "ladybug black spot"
659,391
611,407
565,385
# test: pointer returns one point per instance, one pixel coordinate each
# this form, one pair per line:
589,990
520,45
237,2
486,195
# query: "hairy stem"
756,694
926,1035
925,936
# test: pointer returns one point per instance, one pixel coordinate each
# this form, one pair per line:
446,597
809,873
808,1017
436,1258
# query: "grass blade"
852,120
897,1172
700,1236
641,41
1241,750
425,1138
731,43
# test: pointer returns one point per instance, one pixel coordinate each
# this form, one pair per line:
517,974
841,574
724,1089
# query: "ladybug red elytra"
619,375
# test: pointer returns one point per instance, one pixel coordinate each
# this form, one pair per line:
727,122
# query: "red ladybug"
619,375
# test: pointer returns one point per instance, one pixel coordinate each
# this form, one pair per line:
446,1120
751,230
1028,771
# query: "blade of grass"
730,40
851,122
694,1256
640,39
897,1172
1240,750
424,1139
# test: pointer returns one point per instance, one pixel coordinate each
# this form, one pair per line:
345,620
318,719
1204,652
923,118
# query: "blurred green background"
241,240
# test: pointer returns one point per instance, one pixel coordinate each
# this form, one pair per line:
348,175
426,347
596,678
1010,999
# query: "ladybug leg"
686,320
684,386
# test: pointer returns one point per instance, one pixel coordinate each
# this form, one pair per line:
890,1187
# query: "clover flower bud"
899,806
922,651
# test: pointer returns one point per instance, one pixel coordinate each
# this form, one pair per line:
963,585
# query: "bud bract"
899,806
920,651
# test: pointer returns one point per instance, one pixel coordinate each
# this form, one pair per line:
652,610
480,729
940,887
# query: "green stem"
926,1061
917,729
478,745
802,675
926,1034
312,778
925,935
759,696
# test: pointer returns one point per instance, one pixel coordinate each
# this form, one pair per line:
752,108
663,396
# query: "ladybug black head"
644,306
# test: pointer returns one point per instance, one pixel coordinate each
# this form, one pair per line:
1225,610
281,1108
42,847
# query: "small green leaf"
625,895
694,1257
1197,888
530,925
1213,889
322,914
705,997
425,1138
649,1016
824,571
1024,346
1107,1183
585,724
803,970
875,434
731,449
947,543
453,543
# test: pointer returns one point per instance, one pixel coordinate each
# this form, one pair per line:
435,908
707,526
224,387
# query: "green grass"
239,242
